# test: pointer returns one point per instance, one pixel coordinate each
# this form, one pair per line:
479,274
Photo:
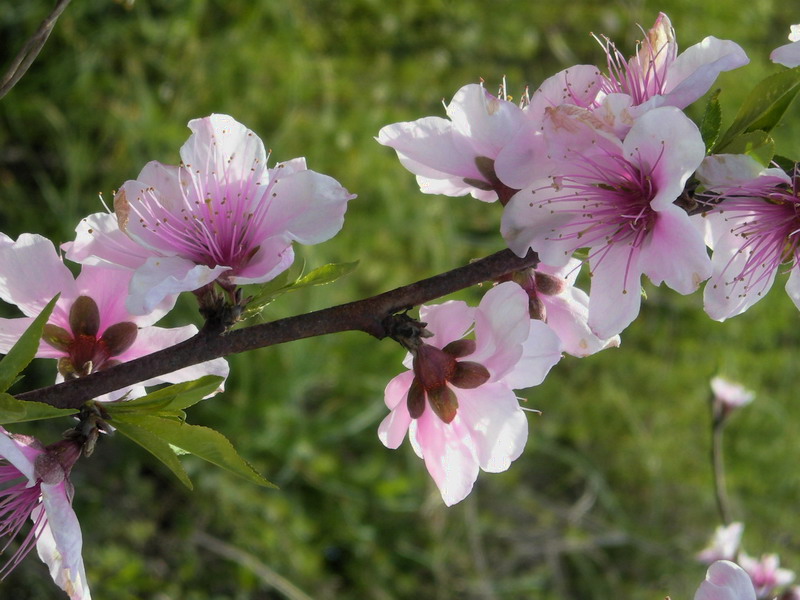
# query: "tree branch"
369,315
25,57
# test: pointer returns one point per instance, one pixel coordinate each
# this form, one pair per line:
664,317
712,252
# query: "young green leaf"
763,107
154,445
203,442
758,144
712,121
324,275
170,400
25,349
17,411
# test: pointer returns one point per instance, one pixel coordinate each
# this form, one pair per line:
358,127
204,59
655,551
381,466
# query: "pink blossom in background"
724,544
766,574
36,487
616,198
456,156
788,55
726,581
457,402
753,232
90,328
221,215
729,395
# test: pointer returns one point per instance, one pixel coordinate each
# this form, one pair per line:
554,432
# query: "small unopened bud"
549,285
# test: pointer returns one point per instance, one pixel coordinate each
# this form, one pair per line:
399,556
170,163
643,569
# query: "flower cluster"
220,219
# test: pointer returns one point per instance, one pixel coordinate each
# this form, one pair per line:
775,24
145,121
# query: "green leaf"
712,121
758,144
319,276
264,294
170,400
154,445
203,442
764,107
25,349
17,411
325,274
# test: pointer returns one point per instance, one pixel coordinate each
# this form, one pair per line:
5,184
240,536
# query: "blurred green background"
612,497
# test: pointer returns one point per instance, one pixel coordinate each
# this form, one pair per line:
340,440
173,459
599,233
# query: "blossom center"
436,372
85,352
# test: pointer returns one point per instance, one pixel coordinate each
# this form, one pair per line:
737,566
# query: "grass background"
612,496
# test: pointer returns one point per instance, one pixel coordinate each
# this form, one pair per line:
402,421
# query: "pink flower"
658,76
788,55
766,574
724,545
725,581
753,231
37,487
616,198
457,402
729,395
90,328
554,299
222,215
456,157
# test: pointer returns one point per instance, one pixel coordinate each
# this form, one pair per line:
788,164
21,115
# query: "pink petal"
576,85
219,144
307,205
427,147
31,273
448,321
793,286
668,142
525,226
449,455
273,257
726,581
675,252
486,120
787,55
22,457
501,325
568,316
695,70
616,290
497,425
523,159
720,171
540,353
162,277
59,545
723,297
100,241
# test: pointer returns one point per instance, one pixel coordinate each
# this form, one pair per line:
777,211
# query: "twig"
718,466
372,316
24,59
251,563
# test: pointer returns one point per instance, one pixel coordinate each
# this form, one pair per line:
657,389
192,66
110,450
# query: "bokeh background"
612,497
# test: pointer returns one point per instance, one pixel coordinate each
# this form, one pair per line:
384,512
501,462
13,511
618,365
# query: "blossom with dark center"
35,486
222,216
616,199
457,400
90,328
754,231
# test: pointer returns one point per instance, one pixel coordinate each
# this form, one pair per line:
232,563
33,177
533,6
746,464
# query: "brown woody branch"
25,57
371,315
